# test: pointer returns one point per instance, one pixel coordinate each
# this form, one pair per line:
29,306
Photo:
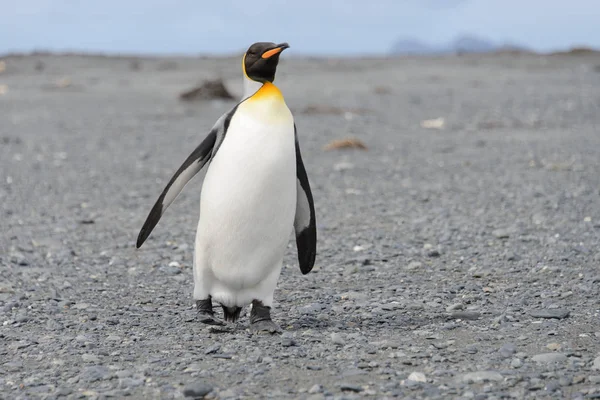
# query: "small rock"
595,379
417,377
553,346
547,358
315,389
413,265
433,253
454,307
469,315
596,364
288,342
348,387
90,358
94,373
558,313
130,383
212,349
197,389
125,373
482,376
501,234
63,391
507,350
336,338
516,363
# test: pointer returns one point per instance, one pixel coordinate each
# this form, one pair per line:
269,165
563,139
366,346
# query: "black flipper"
305,220
190,167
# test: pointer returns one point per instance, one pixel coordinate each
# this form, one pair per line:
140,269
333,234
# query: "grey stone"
557,313
336,338
94,373
467,315
501,233
350,387
315,389
546,358
507,350
197,389
482,376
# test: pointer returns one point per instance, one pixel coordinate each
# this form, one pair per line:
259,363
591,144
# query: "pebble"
507,350
557,313
482,376
454,307
348,387
595,379
596,364
547,358
553,346
315,389
197,389
94,373
501,233
467,315
336,338
413,265
516,363
417,377
90,358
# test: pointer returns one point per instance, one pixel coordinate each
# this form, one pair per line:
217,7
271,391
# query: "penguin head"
260,61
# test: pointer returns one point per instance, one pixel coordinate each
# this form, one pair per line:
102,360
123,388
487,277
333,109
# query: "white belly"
247,209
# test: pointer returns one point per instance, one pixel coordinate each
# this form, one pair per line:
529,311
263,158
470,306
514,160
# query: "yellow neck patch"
267,91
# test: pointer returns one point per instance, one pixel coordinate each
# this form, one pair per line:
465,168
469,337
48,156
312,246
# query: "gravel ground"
459,262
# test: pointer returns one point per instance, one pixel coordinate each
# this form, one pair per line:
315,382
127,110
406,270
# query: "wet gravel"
459,262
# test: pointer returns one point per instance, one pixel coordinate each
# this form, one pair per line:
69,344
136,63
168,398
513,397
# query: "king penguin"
255,193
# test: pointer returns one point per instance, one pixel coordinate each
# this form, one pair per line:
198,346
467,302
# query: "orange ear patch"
272,52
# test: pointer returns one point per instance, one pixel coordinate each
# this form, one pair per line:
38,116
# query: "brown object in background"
210,89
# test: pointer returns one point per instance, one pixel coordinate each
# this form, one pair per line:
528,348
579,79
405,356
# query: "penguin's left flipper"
190,167
305,220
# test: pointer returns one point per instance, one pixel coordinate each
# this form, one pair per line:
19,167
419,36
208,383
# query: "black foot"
260,319
206,315
231,314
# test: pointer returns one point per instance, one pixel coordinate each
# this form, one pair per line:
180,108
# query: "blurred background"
336,27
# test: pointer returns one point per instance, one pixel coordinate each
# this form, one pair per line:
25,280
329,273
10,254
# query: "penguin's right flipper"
190,167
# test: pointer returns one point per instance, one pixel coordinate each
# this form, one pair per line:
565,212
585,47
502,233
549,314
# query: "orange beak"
276,50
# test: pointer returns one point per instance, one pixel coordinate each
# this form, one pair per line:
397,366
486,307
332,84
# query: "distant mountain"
460,45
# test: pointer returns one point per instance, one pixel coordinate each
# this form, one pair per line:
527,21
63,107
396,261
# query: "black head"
260,61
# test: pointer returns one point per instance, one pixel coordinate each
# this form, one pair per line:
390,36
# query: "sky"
311,27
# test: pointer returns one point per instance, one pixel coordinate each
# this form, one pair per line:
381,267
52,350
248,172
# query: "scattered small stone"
516,363
288,342
212,349
414,265
94,373
90,358
482,376
467,315
507,350
553,346
433,253
336,338
557,313
548,358
596,364
348,387
315,389
417,377
197,389
501,234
